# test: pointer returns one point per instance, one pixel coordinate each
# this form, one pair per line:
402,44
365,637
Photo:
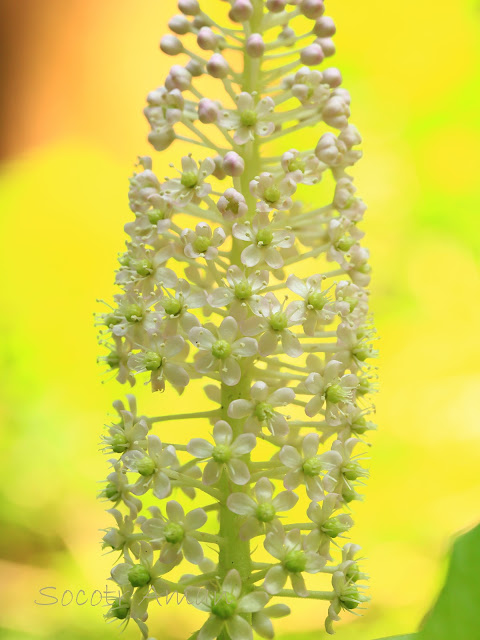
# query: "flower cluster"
263,296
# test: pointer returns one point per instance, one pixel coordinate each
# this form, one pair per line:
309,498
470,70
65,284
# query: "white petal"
285,501
230,372
195,519
238,471
281,397
267,343
211,629
211,472
275,579
314,405
175,511
176,375
192,550
291,344
264,490
243,444
310,445
228,329
238,628
161,485
245,347
232,583
200,448
252,602
290,457
241,504
240,409
251,255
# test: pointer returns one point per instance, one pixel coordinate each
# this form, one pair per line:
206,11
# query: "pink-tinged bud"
332,77
233,164
312,8
276,6
218,172
312,55
179,25
171,45
161,139
217,66
189,7
241,11
232,205
336,112
287,36
330,150
327,45
207,111
198,22
344,94
350,136
195,68
206,39
324,27
178,78
255,46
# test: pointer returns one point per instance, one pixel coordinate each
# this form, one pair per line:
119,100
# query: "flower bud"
350,136
241,11
138,576
207,111
287,35
178,78
312,55
312,8
336,112
171,45
179,25
276,6
217,66
206,39
161,139
327,45
194,68
198,22
255,46
232,205
332,77
233,164
219,172
189,7
324,27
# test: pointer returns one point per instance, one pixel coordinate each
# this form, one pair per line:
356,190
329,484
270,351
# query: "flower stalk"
264,297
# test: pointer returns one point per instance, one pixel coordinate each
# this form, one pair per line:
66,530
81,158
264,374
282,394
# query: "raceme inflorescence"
233,277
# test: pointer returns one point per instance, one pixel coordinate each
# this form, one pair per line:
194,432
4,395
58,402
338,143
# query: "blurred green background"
74,79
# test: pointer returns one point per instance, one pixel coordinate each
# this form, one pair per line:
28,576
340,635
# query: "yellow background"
74,128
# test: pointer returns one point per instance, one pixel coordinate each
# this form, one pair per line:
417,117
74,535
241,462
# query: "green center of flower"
353,572
248,118
221,453
233,206
134,313
295,561
264,237
317,300
265,512
221,349
345,243
144,267
189,179
348,494
263,411
279,321
271,194
111,320
351,301
119,443
146,466
224,605
173,532
362,353
152,361
359,425
350,597
138,576
364,386
333,527
201,244
172,306
155,215
243,290
113,359
119,609
352,471
336,393
297,164
312,466
111,492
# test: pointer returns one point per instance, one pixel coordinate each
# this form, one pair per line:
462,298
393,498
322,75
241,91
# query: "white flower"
164,105
136,316
308,467
118,488
348,471
243,291
273,322
232,205
306,170
220,349
265,242
262,512
296,556
129,434
176,307
191,185
224,455
150,464
316,306
328,525
249,120
173,535
353,346
146,268
224,607
347,596
330,389
122,537
159,360
271,193
260,410
309,88
201,243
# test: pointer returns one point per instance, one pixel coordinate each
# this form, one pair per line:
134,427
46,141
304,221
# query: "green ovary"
317,300
243,290
279,321
266,512
174,533
146,466
134,313
189,179
248,118
224,606
312,466
221,349
152,361
201,244
172,306
221,453
138,576
263,411
295,561
264,237
272,194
